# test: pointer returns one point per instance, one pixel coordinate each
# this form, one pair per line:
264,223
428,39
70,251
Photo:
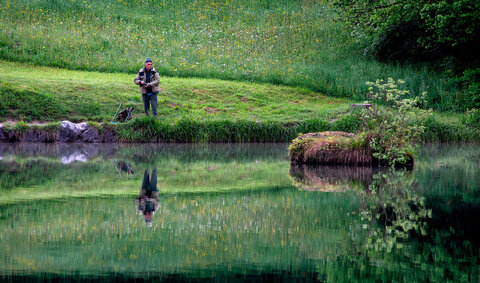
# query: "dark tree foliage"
443,32
416,29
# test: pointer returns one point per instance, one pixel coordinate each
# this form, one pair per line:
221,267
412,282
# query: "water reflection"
123,166
331,178
147,202
389,197
136,152
231,213
402,226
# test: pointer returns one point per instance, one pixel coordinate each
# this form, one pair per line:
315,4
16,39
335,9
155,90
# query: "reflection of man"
147,201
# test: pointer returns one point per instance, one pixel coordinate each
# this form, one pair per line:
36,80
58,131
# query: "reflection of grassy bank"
405,220
26,178
449,170
101,179
329,236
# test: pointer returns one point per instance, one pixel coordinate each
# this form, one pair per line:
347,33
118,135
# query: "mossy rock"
338,148
335,148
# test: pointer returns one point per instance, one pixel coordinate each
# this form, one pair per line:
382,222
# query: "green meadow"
51,94
296,43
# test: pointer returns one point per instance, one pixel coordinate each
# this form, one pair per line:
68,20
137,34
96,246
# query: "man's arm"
156,80
138,80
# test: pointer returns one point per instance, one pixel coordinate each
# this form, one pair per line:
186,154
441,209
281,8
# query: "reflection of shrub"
399,209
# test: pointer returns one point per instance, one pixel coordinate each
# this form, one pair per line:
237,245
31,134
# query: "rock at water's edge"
67,132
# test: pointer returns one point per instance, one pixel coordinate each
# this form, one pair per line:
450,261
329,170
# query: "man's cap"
148,60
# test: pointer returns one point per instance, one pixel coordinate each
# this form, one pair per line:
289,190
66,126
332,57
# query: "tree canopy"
446,25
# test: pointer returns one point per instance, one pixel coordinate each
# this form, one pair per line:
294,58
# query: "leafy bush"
393,131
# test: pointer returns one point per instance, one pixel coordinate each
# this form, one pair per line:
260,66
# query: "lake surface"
234,213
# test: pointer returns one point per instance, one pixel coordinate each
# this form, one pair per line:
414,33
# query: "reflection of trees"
395,203
403,232
391,196
402,235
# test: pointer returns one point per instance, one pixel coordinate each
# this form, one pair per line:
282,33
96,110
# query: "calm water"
234,213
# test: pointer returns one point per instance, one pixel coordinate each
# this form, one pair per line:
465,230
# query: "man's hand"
142,83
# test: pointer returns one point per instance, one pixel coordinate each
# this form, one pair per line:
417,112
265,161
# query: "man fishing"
148,79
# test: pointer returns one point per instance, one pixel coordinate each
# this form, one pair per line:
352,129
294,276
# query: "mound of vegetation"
390,133
330,148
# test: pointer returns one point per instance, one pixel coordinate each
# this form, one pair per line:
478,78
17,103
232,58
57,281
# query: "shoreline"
186,130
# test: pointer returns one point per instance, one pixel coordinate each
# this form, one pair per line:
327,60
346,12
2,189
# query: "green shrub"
394,133
20,126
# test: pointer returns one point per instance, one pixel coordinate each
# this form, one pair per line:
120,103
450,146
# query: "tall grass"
300,43
189,130
193,131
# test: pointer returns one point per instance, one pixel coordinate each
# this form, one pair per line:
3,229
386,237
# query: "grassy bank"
296,43
190,110
53,94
